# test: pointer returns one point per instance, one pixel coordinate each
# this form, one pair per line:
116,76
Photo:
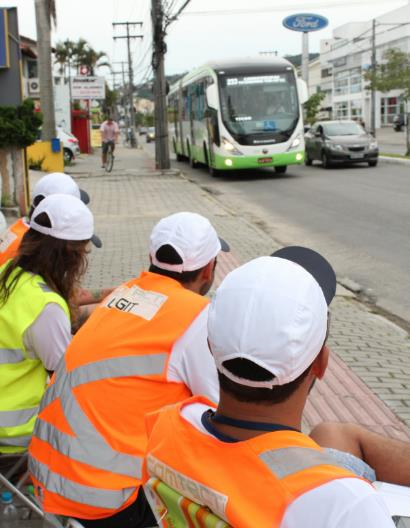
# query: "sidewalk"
391,142
368,381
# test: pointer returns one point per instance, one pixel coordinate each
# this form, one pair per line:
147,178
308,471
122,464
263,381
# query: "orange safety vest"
88,444
247,484
10,240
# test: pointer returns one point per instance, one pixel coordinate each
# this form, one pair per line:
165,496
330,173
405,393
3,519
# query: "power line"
288,7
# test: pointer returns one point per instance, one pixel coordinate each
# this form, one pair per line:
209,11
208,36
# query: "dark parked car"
340,142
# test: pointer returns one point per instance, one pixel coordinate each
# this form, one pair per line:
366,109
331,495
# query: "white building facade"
347,56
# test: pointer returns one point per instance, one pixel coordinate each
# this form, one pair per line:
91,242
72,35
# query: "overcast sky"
196,38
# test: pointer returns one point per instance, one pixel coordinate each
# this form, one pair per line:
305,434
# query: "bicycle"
109,163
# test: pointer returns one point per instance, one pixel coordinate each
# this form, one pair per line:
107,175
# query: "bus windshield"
259,108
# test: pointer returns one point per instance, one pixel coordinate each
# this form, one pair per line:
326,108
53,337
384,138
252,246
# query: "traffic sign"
305,22
88,87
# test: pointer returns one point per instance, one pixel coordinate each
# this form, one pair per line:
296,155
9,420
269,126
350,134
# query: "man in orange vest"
144,347
247,460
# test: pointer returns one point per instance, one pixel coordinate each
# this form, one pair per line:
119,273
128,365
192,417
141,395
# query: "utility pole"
43,26
122,73
162,160
130,73
373,90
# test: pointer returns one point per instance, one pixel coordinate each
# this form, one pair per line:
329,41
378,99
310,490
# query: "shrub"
19,125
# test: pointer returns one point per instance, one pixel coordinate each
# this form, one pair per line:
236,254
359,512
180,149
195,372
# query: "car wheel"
373,163
68,155
325,161
281,169
308,161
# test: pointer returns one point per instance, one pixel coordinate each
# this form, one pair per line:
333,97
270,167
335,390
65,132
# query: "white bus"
239,114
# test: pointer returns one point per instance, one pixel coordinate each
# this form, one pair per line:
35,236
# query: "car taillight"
73,140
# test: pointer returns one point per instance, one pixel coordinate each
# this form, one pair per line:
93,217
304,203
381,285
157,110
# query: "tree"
64,55
45,16
392,74
312,106
88,56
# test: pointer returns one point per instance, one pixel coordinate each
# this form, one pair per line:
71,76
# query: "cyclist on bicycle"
109,137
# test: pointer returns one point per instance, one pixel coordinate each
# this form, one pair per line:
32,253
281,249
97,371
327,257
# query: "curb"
398,161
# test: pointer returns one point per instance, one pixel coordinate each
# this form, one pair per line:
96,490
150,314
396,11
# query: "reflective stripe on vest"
77,492
11,355
289,460
18,441
15,418
89,446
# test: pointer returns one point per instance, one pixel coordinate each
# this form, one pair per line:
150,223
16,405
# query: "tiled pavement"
371,356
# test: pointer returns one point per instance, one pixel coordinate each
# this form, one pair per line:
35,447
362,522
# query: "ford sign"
305,22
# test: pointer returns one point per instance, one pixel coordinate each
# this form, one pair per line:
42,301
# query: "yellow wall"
52,162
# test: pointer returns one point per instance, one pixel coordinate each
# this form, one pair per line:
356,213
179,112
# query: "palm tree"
88,56
63,55
45,16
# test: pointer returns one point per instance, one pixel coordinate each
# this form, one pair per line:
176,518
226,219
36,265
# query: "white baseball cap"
69,217
191,236
58,183
272,312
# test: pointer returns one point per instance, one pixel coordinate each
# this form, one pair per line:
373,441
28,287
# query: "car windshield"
343,129
259,104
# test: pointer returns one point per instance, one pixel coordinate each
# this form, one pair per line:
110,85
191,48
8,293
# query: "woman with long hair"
38,308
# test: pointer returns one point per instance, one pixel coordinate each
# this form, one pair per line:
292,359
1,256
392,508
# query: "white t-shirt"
191,361
109,131
48,337
342,503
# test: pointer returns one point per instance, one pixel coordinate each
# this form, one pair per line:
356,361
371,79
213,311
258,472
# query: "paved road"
358,216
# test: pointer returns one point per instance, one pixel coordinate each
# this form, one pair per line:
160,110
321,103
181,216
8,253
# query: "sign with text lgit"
88,87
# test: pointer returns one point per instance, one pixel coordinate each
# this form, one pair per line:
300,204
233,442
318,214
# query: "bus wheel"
281,169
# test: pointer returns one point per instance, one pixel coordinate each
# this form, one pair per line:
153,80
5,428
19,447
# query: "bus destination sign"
305,22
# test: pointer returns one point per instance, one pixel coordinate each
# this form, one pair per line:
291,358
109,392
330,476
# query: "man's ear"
320,364
207,271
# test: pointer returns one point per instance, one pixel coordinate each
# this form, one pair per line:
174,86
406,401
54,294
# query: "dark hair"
61,263
168,255
244,368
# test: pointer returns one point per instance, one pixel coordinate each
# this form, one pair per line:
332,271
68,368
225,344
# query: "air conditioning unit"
33,86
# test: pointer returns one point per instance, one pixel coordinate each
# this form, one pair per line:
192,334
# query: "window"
356,108
32,69
326,72
341,82
390,106
355,80
342,110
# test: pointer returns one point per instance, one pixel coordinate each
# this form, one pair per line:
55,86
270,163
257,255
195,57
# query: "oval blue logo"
305,22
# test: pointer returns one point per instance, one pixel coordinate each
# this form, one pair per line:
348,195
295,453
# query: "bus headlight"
227,145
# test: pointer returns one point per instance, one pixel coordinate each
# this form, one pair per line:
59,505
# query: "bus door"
192,106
